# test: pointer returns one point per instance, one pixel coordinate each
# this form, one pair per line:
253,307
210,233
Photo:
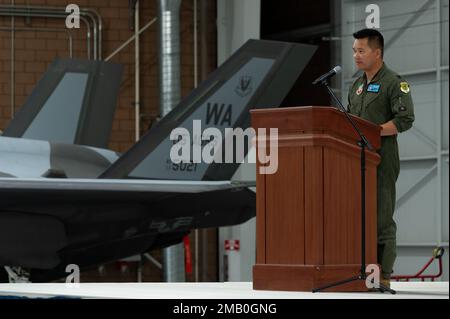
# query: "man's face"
365,57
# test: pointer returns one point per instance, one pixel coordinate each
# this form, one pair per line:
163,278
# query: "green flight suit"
387,97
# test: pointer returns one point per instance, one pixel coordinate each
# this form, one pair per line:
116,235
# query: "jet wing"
55,185
48,190
46,224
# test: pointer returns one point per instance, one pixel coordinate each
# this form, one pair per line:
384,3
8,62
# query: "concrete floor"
227,290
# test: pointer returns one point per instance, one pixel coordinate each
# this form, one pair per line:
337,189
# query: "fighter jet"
92,206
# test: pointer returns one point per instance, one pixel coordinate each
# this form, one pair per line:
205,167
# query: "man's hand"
388,129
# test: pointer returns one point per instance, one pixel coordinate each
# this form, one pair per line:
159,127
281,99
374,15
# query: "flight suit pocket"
377,109
370,98
355,105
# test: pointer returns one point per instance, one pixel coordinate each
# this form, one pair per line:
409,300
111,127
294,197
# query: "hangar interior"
32,34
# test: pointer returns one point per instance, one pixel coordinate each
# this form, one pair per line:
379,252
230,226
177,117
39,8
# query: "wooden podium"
308,222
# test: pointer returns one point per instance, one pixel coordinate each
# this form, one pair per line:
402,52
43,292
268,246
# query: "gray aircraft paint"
158,164
25,158
78,161
108,154
5,175
57,115
126,185
92,87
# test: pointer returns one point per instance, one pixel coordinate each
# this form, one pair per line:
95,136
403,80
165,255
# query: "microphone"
328,75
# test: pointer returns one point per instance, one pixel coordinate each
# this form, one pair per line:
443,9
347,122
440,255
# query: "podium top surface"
313,119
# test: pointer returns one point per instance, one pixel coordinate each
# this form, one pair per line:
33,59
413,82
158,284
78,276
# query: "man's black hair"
375,38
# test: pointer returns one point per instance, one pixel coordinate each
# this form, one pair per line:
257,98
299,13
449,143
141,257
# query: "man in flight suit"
384,98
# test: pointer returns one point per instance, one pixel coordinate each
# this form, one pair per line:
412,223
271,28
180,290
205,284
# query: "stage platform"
227,290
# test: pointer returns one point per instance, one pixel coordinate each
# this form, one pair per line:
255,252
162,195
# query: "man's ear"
378,52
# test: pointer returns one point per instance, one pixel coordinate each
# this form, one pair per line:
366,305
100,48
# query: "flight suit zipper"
362,99
366,85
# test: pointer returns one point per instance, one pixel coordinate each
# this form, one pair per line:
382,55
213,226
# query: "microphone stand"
363,144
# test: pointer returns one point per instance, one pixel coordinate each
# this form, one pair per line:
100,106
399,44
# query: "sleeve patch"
404,87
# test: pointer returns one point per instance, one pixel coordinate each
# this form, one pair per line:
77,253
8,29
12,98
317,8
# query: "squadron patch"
360,89
404,87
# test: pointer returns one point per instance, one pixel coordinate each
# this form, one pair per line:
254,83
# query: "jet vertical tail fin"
74,103
259,75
